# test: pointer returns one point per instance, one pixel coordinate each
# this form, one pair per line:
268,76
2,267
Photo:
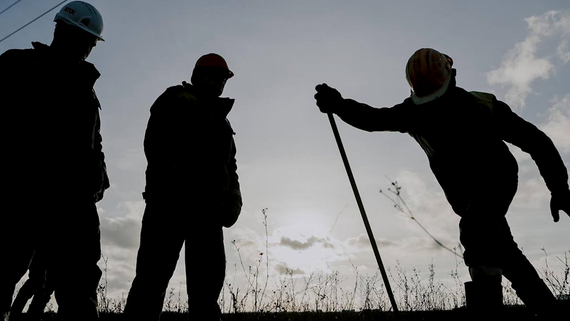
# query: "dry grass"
326,296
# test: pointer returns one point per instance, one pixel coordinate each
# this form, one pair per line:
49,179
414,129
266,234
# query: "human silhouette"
463,135
37,288
53,164
191,192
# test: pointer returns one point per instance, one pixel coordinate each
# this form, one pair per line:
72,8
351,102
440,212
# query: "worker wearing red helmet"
463,135
191,192
53,163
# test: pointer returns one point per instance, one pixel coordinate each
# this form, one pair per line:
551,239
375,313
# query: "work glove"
560,201
230,214
104,185
328,98
230,209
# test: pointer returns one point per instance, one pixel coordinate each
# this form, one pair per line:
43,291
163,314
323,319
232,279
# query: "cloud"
521,66
123,231
298,245
283,269
531,194
426,201
558,125
563,51
362,241
406,245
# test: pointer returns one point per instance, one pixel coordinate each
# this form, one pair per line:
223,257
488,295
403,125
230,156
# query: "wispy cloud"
298,245
558,125
362,241
123,231
283,269
563,51
521,66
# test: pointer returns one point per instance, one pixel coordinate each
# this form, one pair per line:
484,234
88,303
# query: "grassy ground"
519,313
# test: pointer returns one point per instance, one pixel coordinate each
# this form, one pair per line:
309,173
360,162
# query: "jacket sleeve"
359,115
533,141
233,179
98,155
162,137
98,148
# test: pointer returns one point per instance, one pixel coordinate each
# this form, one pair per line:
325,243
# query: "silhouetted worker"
463,135
192,191
37,288
53,163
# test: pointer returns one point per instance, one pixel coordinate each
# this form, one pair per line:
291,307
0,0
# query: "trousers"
488,242
66,233
166,227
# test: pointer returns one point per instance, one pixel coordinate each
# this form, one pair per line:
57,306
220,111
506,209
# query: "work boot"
538,298
484,300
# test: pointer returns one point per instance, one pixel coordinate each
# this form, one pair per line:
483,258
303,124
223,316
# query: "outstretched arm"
360,115
533,141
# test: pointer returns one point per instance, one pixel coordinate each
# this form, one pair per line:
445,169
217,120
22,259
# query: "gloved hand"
328,98
230,208
105,185
230,214
559,201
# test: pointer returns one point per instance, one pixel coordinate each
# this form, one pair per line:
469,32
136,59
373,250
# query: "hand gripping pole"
363,213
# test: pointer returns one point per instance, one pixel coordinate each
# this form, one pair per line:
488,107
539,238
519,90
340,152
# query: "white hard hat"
82,15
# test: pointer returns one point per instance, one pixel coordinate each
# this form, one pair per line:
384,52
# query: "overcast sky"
288,161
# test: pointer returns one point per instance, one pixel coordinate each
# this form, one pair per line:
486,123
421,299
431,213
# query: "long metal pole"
363,213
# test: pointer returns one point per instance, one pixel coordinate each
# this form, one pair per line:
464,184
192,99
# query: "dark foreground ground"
518,313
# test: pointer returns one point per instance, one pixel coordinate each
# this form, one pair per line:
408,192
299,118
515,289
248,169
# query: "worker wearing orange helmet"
463,135
53,163
192,191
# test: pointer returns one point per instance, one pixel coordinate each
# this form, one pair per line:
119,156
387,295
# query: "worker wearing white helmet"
78,28
53,164
83,16
463,135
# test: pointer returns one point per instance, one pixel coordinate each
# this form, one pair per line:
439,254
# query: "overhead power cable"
10,7
27,24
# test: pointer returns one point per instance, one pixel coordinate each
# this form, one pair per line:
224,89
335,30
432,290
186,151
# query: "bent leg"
17,247
497,248
26,292
482,233
42,294
527,283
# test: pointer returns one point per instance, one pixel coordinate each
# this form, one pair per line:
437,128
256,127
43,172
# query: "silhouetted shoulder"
172,98
179,92
483,97
490,101
16,56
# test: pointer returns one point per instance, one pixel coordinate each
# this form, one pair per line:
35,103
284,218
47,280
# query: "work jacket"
190,149
463,135
50,126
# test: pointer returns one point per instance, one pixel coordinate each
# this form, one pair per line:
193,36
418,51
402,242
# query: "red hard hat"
213,60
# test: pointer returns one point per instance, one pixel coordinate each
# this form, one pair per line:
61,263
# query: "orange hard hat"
213,60
428,72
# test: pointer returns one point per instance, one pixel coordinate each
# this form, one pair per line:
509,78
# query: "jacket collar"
220,105
84,71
